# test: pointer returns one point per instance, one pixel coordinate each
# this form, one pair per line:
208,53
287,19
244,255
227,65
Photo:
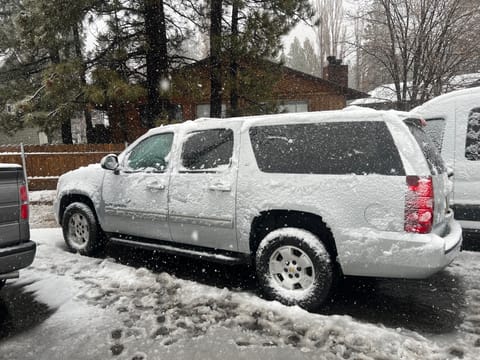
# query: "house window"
203,110
42,138
293,107
472,143
178,113
100,118
9,108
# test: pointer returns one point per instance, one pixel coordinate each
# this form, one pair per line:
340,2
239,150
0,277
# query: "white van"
453,121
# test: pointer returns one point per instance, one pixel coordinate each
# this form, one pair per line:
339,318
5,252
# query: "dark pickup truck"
16,249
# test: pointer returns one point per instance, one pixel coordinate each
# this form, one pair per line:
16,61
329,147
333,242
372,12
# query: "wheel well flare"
271,220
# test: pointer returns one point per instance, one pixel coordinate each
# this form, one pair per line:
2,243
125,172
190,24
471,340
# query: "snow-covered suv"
304,197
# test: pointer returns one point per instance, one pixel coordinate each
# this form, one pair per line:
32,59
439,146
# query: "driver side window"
152,154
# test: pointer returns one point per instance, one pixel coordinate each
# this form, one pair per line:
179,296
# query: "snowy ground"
141,305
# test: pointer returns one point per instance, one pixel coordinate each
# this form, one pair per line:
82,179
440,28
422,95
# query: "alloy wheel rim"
292,268
78,230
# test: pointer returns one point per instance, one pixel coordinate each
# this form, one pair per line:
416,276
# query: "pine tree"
48,49
296,56
303,58
253,33
143,42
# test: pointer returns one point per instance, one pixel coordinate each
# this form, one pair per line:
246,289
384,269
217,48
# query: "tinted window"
430,151
326,148
151,154
208,149
435,129
472,144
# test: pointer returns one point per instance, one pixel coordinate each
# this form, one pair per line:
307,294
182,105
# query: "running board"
11,275
218,258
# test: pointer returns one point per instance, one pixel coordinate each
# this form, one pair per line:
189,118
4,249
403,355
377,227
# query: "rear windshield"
326,148
430,151
435,129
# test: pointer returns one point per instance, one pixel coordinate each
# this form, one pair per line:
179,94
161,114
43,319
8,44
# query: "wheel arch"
72,198
270,220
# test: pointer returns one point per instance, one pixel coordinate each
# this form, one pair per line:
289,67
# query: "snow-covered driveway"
89,308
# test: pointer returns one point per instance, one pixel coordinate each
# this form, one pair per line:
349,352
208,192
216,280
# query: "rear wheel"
81,231
295,268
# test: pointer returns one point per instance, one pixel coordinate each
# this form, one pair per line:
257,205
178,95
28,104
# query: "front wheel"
295,268
81,231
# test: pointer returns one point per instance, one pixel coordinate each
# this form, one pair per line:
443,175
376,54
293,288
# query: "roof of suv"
348,114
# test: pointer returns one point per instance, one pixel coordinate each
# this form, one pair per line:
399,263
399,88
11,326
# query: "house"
28,135
284,89
263,87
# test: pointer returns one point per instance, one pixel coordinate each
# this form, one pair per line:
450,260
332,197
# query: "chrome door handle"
220,187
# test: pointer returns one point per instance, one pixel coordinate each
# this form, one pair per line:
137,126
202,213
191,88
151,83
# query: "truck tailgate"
9,207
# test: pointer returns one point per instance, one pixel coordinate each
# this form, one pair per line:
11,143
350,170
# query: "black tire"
295,268
81,231
2,283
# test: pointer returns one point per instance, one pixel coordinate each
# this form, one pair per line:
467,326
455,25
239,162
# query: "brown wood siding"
125,124
292,86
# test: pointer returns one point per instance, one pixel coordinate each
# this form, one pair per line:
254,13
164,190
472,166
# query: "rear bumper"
398,255
17,257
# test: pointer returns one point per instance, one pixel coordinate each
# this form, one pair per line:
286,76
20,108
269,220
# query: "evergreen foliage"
303,58
49,74
252,33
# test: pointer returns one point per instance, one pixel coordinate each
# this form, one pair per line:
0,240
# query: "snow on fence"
45,163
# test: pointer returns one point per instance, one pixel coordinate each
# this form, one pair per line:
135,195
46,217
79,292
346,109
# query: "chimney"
336,72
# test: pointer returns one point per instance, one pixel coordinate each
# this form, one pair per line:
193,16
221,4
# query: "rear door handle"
224,187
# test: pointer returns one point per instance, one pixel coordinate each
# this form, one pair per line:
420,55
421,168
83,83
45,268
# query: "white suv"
304,197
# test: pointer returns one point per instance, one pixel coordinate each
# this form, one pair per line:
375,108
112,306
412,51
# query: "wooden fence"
45,163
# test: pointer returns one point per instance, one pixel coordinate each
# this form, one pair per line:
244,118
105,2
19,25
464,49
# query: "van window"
430,151
435,129
207,149
472,144
365,147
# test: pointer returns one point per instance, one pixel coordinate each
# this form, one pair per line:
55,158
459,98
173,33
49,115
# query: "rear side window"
429,150
472,144
435,129
208,149
326,148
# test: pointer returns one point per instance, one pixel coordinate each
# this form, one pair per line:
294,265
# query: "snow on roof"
447,98
464,81
386,93
354,113
381,94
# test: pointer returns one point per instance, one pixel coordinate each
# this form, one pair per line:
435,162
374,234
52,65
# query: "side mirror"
110,162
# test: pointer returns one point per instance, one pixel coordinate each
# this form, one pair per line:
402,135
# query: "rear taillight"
23,202
419,205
